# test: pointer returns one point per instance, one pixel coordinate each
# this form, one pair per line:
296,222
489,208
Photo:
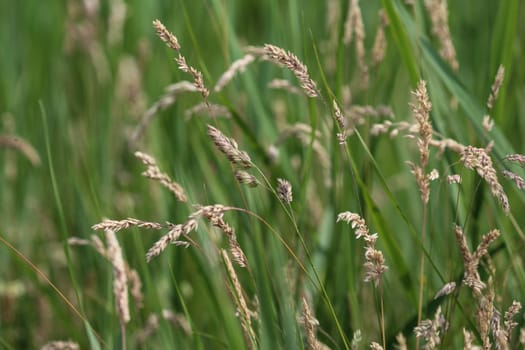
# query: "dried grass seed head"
479,159
242,306
117,225
229,147
310,324
246,178
421,110
354,25
236,67
454,179
518,180
494,89
438,12
341,123
172,42
519,158
166,36
22,146
447,289
153,172
289,60
432,330
284,191
120,280
60,345
374,260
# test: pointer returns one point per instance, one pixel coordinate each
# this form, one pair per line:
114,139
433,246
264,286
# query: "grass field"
247,218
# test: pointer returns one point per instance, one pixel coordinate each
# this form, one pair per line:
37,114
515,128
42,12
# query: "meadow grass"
261,175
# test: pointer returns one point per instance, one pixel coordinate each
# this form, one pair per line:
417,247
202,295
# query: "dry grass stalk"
422,180
354,25
117,225
447,289
229,147
284,191
289,60
216,220
412,131
393,129
519,158
128,86
172,237
487,123
136,286
177,231
244,177
518,180
177,319
486,314
242,307
356,339
375,346
358,112
401,342
432,330
166,100
438,12
236,67
133,278
380,43
341,123
213,110
494,89
303,133
165,35
153,172
329,45
512,311
60,345
468,339
22,146
82,34
117,17
479,159
421,110
310,325
120,280
454,179
503,334
172,42
374,260
284,85
433,175
150,327
444,144
152,324
471,261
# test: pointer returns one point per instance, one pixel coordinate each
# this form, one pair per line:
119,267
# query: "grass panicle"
438,13
479,160
61,345
290,61
153,172
173,43
229,147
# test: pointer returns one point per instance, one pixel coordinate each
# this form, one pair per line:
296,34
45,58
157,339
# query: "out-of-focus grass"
58,60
